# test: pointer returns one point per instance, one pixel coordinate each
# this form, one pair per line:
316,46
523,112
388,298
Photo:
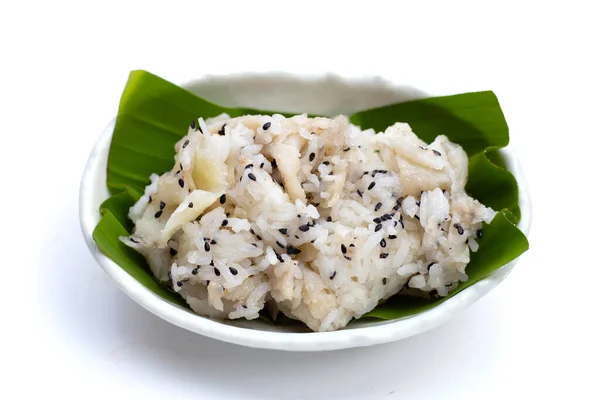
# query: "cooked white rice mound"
311,216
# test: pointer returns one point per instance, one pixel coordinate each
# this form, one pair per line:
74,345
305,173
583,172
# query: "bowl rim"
93,185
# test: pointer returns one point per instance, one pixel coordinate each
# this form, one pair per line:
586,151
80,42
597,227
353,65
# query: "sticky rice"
310,217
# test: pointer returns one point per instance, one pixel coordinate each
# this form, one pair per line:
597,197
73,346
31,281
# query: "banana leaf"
154,114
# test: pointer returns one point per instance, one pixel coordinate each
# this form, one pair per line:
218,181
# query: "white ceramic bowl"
326,95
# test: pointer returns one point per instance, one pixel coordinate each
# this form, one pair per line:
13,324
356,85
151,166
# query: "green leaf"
154,114
501,243
474,120
119,205
492,184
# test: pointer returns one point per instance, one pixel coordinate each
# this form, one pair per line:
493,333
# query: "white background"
68,331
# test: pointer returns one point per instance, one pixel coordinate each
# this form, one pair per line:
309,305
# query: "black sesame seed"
252,176
399,200
378,206
222,130
304,228
149,199
274,164
280,245
252,231
312,241
233,271
291,250
383,171
191,205
401,221
179,283
161,205
377,220
254,244
217,272
244,306
417,217
180,181
397,207
365,173
212,263
266,126
213,241
383,243
378,227
262,165
330,173
374,173
343,247
347,258
317,204
431,265
418,203
283,231
329,219
384,281
333,275
186,143
359,193
311,156
392,237
371,185
325,162
223,198
258,237
459,228
206,246
383,255
297,237
224,223
158,214
347,148
195,271
352,245
279,257
172,251
479,234
193,125
437,153
249,166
